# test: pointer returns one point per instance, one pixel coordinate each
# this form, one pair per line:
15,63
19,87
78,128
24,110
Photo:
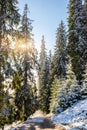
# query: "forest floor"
73,118
38,121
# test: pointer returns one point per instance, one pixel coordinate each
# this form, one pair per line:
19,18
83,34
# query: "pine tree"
71,87
84,20
65,92
25,86
71,78
83,30
9,16
75,45
59,62
84,85
60,54
43,78
56,85
49,78
85,75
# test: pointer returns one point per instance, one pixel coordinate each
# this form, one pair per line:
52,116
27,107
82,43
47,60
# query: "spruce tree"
64,93
56,85
84,21
85,75
58,67
84,85
83,30
60,53
43,79
75,45
24,80
9,16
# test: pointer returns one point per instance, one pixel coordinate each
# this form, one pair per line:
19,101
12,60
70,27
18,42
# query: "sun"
24,46
21,45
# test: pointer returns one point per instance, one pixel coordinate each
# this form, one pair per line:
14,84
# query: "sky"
47,15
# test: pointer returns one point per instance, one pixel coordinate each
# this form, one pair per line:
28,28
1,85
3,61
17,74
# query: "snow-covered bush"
69,94
84,85
84,90
67,97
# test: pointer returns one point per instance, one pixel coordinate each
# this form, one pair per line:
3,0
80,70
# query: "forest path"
38,122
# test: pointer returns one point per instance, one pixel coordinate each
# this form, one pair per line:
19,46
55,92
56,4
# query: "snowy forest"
31,81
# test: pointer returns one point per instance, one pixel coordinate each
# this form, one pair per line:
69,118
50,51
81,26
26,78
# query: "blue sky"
47,15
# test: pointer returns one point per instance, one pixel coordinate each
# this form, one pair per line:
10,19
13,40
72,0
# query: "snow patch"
75,116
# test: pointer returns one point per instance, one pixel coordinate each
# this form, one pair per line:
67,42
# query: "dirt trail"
38,122
46,124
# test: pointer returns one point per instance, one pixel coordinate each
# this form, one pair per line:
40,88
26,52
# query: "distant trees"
51,67
43,78
73,88
68,62
59,62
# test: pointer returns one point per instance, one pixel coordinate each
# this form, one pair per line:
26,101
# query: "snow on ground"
76,116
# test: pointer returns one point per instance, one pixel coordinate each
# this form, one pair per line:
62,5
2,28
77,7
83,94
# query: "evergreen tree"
84,21
67,93
24,81
56,85
49,83
75,45
85,75
71,78
43,79
9,16
59,62
84,85
83,31
60,54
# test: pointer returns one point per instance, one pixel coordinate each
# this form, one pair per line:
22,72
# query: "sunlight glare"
23,46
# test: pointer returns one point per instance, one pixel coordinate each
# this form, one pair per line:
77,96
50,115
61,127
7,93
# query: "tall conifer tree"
75,44
83,30
43,78
9,16
24,80
60,54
